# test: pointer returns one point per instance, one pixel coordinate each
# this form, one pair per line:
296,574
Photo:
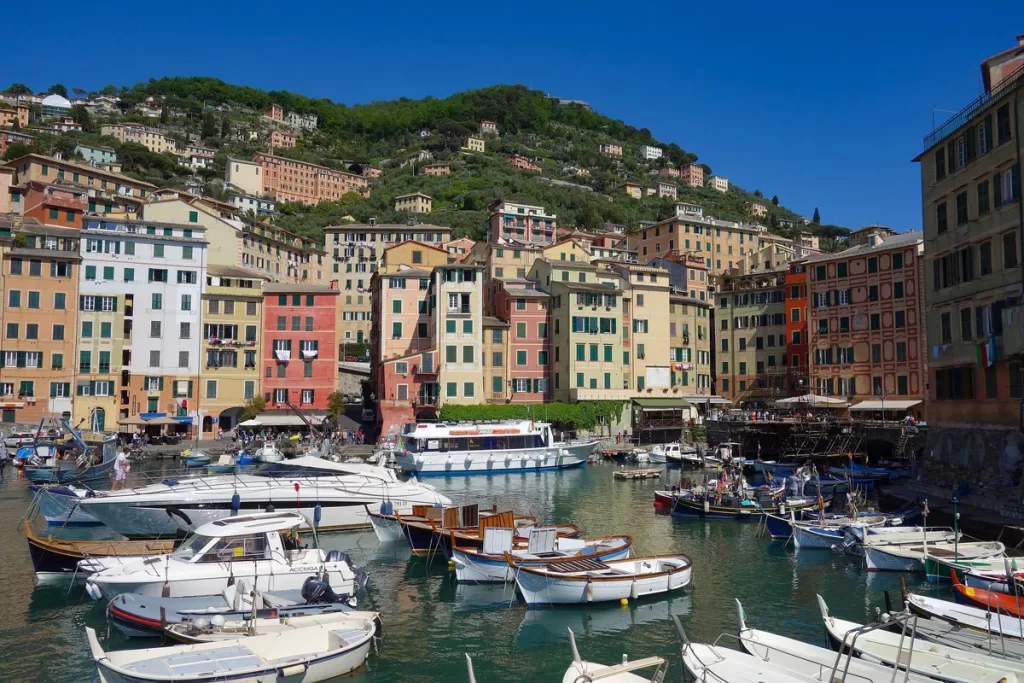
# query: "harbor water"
430,622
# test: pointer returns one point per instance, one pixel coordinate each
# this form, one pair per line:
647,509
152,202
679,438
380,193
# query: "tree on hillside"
81,116
817,216
16,150
79,92
109,90
165,115
209,125
831,244
775,199
18,90
65,146
58,89
225,127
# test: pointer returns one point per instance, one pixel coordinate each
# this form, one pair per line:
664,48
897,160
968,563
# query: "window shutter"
81,303
971,144
1015,180
67,388
190,388
3,360
114,309
53,269
988,132
997,190
21,359
161,384
951,155
53,389
79,389
92,387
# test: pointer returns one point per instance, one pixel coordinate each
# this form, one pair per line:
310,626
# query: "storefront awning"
884,405
652,404
283,420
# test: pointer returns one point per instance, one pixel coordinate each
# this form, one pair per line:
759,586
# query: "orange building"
11,115
37,362
867,325
796,329
287,180
281,139
60,205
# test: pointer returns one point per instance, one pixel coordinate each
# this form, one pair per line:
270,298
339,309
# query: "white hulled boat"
248,547
342,490
585,580
439,449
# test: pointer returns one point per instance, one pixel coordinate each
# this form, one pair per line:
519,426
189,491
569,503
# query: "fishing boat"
936,661
911,557
341,491
385,525
981,620
825,534
810,660
581,671
543,547
224,465
60,557
82,469
144,616
268,453
588,580
217,629
729,506
58,503
247,546
311,654
996,601
195,458
439,449
963,638
1000,574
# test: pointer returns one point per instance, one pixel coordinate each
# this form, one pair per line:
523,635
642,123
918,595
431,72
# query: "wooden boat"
310,654
993,601
911,558
810,660
937,661
580,670
385,525
586,580
543,547
965,615
55,556
963,638
217,629
224,465
694,506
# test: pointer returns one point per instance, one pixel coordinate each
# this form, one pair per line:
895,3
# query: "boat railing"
903,620
823,669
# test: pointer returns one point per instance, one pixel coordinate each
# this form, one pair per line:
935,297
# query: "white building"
305,121
718,182
244,175
247,202
648,152
55,105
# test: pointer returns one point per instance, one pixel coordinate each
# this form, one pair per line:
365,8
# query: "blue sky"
821,105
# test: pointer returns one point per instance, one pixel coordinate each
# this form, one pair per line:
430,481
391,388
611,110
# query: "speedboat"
315,653
587,580
218,553
490,564
339,490
268,453
144,616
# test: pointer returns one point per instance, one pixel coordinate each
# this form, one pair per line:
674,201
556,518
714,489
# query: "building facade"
521,222
722,244
416,202
649,152
720,183
692,175
797,331
526,311
150,138
287,180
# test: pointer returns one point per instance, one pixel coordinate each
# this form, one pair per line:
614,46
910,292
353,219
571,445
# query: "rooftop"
490,321
234,272
897,241
39,158
282,288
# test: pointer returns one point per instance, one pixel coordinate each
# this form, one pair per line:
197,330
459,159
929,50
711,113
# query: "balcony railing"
459,310
425,401
968,112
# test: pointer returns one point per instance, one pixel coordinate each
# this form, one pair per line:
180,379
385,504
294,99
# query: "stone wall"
982,462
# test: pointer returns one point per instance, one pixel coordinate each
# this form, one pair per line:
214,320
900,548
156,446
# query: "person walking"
121,469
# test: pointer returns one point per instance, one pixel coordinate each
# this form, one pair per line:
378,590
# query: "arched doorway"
98,421
207,423
230,418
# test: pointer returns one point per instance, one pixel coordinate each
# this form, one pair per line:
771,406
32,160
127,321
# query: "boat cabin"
240,539
511,435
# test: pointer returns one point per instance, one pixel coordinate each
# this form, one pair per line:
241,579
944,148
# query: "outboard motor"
317,590
849,544
338,556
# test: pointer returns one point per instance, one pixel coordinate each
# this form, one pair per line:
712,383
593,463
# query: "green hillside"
386,134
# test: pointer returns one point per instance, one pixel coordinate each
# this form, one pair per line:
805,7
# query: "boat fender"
634,592
387,508
590,591
295,670
92,590
782,509
707,506
317,515
236,502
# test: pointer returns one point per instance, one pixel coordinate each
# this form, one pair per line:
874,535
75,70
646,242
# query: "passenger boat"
248,546
587,580
144,616
58,503
801,658
936,661
543,546
439,449
911,557
342,491
60,557
307,655
217,629
581,671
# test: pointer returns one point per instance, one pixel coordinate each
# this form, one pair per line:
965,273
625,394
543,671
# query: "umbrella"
161,421
250,423
133,420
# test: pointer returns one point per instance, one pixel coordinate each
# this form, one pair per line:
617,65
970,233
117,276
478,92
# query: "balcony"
425,369
459,310
425,401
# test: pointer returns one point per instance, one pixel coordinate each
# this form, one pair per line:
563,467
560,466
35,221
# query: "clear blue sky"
821,105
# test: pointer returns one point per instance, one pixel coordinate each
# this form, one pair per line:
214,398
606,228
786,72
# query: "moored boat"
734,507
195,459
911,557
59,505
60,557
995,601
218,629
581,671
224,465
586,580
974,618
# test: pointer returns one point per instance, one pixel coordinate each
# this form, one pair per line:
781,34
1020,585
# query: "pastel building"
521,222
457,290
280,139
96,154
288,180
526,309
16,116
722,244
107,192
414,203
522,163
692,175
299,349
475,144
649,152
797,331
609,150
259,206
245,176
57,205
720,183
152,139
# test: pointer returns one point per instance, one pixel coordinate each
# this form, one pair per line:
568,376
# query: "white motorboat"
58,504
722,665
305,655
218,629
586,580
439,449
936,661
248,547
911,557
543,547
656,455
680,454
581,671
340,490
268,453
811,660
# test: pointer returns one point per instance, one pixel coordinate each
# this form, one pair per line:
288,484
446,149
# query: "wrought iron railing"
968,112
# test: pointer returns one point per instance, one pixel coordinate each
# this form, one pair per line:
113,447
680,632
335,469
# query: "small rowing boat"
581,671
911,558
60,557
587,580
217,629
980,620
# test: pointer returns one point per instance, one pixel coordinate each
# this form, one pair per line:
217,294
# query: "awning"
283,420
308,355
283,355
884,405
250,423
652,404
814,400
133,420
160,421
697,399
183,420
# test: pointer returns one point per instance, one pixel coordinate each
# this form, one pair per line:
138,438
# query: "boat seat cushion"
224,660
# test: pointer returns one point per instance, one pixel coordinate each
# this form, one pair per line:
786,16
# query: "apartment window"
58,332
296,323
985,253
467,354
106,330
452,389
396,330
467,327
1003,124
876,386
873,264
901,384
154,359
901,352
946,327
186,302
961,208
157,302
158,251
876,321
497,359
451,354
965,324
897,290
844,324
183,359
873,293
14,298
901,319
1016,380
520,357
85,362
940,217
983,198
1010,249
31,331
940,163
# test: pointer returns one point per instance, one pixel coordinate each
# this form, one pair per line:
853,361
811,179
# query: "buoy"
236,503
707,506
451,565
624,602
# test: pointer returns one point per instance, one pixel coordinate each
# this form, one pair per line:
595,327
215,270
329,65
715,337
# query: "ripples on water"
430,622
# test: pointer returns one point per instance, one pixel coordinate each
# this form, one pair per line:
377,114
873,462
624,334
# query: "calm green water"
429,621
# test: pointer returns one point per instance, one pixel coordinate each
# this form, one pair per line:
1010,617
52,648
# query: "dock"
646,473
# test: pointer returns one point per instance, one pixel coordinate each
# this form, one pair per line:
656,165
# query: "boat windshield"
475,443
286,469
191,547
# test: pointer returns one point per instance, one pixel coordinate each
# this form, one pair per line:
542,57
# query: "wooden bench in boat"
575,566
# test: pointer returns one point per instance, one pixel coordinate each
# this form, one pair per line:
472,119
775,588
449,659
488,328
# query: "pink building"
409,389
437,169
9,137
489,127
522,163
666,190
281,139
527,311
670,172
521,222
692,175
275,112
372,172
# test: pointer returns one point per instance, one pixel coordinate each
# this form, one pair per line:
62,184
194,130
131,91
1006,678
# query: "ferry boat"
439,449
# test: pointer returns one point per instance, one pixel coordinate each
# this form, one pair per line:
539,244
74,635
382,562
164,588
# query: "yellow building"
567,250
475,144
244,175
414,203
229,373
457,292
150,138
645,317
107,192
496,360
265,250
690,340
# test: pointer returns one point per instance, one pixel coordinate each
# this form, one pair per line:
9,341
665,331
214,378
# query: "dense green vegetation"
574,416
560,138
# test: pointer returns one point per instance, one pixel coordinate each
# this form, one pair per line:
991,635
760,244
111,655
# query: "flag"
986,352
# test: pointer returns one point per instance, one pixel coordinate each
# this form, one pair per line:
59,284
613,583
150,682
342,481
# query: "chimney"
1020,39
334,285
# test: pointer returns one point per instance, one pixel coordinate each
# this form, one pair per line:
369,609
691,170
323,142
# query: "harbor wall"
980,462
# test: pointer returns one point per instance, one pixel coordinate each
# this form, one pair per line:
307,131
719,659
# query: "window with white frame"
32,359
107,303
521,385
88,303
103,388
307,396
152,384
6,388
280,395
10,359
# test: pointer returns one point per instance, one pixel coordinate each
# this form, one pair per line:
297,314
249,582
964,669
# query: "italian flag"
986,352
